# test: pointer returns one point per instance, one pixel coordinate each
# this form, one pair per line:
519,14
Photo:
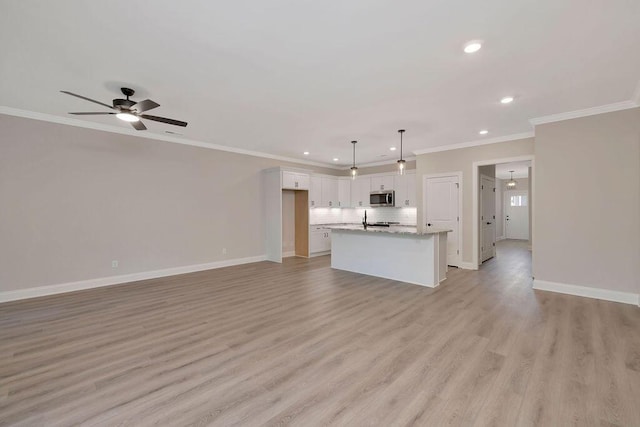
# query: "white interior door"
442,210
516,214
487,218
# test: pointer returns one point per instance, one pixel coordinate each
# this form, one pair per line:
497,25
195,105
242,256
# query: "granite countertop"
394,229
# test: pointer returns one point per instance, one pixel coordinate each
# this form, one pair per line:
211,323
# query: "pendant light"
511,184
354,169
401,163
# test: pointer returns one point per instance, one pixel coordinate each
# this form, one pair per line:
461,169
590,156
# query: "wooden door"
516,214
442,210
487,218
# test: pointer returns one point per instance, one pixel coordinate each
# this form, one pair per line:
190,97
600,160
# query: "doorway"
442,208
487,229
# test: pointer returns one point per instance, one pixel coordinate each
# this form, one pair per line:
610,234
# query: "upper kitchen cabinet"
295,181
329,192
405,188
382,183
360,190
315,191
344,192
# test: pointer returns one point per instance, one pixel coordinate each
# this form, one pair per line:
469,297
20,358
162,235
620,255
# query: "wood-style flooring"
302,344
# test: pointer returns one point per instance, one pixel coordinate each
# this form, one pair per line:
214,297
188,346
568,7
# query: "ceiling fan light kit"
128,110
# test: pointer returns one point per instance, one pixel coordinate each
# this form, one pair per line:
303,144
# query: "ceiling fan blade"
145,105
138,125
91,114
164,120
88,99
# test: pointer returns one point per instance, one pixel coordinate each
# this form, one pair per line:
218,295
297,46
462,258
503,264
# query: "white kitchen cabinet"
382,183
329,190
344,192
405,190
315,191
360,190
295,181
319,239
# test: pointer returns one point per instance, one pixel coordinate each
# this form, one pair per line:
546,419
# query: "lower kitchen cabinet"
319,239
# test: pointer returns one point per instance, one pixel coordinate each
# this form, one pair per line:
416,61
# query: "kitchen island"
397,252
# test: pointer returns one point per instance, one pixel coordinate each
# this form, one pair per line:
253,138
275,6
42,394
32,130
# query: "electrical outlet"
224,251
114,264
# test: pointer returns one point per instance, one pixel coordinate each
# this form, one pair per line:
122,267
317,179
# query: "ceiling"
520,169
283,77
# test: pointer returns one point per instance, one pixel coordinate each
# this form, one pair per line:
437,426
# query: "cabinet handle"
313,203
360,203
330,203
382,187
296,184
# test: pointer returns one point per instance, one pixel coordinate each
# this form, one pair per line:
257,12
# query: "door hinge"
482,187
457,185
494,217
458,219
494,244
458,252
494,190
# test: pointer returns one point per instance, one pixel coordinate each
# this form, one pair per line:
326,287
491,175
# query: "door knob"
488,223
429,224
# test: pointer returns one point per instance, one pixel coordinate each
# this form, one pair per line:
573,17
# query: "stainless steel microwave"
382,198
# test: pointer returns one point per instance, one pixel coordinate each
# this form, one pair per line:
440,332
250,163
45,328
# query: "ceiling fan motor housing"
123,104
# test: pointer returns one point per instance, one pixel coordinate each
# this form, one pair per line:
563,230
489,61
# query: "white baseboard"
468,266
585,291
500,238
117,280
315,254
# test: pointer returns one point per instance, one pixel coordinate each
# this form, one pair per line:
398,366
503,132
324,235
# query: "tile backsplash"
405,216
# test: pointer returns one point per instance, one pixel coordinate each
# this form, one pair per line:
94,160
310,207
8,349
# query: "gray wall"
462,160
75,199
587,201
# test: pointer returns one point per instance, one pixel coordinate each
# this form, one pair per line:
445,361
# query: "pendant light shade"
354,169
402,164
511,184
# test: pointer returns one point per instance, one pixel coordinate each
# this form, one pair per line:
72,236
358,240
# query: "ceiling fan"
128,110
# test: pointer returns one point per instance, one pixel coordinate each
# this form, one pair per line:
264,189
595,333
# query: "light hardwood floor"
302,344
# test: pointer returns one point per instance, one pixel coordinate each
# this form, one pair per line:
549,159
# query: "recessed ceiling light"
392,148
472,46
306,153
483,132
335,159
507,99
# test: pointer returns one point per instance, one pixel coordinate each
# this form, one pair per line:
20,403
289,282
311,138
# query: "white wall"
499,209
587,202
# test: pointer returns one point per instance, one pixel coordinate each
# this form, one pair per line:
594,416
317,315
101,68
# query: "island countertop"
394,229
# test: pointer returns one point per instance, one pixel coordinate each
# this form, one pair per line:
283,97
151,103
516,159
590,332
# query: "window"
518,200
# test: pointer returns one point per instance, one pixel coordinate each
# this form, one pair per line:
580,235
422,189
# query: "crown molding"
475,143
608,108
9,111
